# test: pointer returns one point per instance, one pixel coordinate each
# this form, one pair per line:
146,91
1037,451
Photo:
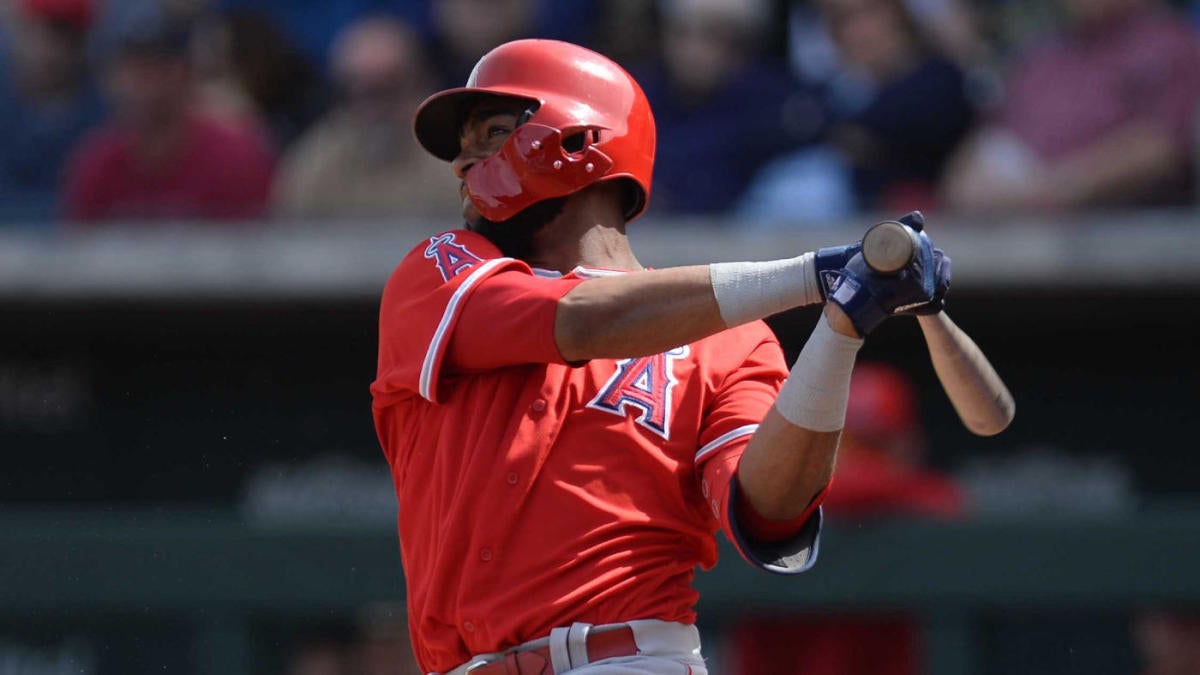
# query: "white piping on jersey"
580,271
444,324
726,438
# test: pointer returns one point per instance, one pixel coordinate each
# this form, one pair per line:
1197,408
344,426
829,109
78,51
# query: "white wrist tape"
747,291
818,388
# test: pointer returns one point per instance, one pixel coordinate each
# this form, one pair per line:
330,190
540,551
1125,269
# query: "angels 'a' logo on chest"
643,386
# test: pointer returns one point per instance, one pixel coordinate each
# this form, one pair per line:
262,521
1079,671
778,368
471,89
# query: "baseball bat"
974,388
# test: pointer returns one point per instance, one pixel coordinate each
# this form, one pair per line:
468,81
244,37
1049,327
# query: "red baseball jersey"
533,492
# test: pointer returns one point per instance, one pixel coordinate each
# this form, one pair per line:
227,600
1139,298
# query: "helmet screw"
537,145
558,164
589,167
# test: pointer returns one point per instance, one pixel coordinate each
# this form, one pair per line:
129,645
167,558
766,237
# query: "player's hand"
941,268
831,259
829,262
868,297
941,271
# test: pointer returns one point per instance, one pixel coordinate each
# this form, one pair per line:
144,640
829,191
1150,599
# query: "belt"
535,658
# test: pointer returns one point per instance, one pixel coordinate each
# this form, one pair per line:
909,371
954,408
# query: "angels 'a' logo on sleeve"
645,384
450,256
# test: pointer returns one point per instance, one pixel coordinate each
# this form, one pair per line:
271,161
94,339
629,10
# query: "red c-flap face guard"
532,166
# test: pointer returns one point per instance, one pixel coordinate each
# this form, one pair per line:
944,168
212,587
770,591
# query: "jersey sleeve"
431,298
740,403
790,548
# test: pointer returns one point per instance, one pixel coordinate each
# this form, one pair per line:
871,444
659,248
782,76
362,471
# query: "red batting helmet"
590,122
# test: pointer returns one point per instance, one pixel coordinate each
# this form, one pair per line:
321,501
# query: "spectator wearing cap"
159,158
47,102
881,472
361,161
1101,113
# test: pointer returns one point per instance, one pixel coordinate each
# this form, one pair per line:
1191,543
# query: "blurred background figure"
383,646
902,108
318,654
1100,114
312,25
374,642
1168,640
361,160
247,72
895,107
882,469
881,473
464,30
159,157
47,103
718,103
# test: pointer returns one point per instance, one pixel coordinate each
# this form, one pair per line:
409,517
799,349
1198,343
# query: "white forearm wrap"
816,391
747,291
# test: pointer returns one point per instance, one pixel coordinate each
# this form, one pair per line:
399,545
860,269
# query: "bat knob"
889,247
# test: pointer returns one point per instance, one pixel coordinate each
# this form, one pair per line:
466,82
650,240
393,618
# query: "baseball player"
567,430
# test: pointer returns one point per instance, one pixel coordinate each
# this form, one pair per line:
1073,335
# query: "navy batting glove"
941,266
831,259
913,219
869,297
829,263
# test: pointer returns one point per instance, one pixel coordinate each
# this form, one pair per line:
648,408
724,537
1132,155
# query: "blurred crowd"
798,111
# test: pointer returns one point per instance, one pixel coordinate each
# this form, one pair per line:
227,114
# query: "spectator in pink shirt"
1101,114
159,158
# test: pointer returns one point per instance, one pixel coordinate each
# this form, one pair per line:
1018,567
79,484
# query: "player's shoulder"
445,256
460,241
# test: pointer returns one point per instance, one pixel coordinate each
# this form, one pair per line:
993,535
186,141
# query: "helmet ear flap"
633,197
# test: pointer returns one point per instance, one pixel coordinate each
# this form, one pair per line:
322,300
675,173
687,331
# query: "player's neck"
600,247
590,232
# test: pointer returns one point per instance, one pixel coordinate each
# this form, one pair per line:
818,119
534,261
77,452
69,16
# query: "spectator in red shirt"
880,472
1100,114
158,158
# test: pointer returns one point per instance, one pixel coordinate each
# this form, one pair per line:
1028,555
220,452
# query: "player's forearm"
979,396
785,466
649,312
637,314
791,457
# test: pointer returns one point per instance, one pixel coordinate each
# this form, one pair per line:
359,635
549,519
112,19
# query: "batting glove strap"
829,262
855,297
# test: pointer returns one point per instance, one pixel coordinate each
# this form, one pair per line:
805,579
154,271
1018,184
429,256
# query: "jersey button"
539,405
468,626
485,555
512,477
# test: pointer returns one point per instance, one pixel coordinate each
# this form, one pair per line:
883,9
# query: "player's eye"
496,130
